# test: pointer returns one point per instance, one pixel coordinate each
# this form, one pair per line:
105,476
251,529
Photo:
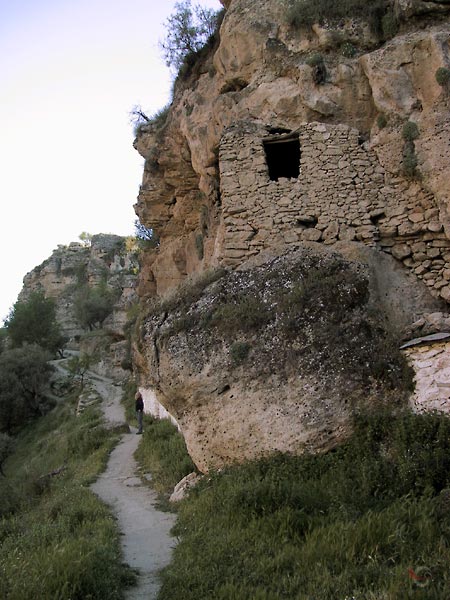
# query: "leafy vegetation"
187,292
239,351
410,131
6,448
57,540
85,238
382,121
443,76
348,50
94,304
187,31
410,160
24,379
79,364
317,64
377,13
33,321
369,520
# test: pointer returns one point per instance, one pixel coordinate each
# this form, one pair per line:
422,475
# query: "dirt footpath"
146,542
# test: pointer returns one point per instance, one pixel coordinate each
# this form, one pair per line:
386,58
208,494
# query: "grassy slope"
347,524
57,540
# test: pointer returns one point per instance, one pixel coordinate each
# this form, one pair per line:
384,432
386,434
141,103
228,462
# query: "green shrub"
348,50
319,71
410,161
33,321
304,13
6,448
94,304
410,131
443,76
199,246
389,25
382,121
188,292
348,523
314,60
24,381
239,352
245,313
187,31
156,122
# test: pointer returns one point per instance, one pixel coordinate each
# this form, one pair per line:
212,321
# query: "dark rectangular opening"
283,156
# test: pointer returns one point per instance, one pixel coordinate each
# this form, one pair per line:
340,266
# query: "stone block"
418,247
433,252
401,251
347,233
416,217
434,226
311,235
331,231
388,230
234,254
420,270
430,213
445,293
409,229
441,243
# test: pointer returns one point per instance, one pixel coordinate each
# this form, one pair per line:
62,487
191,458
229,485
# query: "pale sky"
70,72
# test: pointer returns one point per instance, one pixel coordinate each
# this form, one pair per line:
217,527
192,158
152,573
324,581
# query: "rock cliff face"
105,261
260,74
284,136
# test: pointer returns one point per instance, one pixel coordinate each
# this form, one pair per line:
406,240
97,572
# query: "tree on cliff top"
188,30
34,322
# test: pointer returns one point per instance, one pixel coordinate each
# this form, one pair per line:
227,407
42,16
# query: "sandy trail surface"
146,541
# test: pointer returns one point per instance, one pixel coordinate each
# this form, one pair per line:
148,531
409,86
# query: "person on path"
139,407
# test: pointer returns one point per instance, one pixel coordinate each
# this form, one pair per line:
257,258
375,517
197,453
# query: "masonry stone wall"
431,364
341,193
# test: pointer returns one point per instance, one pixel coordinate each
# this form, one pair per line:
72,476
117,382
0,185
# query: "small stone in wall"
401,251
311,235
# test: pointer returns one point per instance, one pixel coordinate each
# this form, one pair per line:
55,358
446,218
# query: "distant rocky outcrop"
105,261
